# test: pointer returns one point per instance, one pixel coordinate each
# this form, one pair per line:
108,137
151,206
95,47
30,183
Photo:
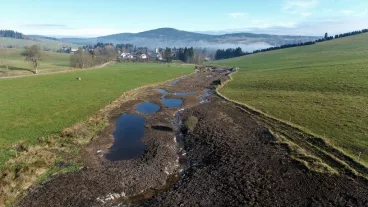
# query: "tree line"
228,53
12,34
231,53
351,33
187,55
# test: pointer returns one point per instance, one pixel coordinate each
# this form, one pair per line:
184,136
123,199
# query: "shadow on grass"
12,68
63,65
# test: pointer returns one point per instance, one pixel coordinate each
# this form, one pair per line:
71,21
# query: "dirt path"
50,72
234,161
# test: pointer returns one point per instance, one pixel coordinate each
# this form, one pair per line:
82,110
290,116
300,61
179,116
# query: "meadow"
47,43
16,62
35,106
322,88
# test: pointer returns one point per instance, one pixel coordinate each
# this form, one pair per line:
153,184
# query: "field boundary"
314,144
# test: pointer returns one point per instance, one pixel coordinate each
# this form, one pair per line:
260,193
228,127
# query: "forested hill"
12,34
169,37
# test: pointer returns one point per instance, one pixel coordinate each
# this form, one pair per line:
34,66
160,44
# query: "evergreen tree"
167,55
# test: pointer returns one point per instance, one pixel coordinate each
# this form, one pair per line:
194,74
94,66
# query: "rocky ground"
234,161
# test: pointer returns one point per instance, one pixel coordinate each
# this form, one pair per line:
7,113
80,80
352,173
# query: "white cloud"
347,12
236,15
299,4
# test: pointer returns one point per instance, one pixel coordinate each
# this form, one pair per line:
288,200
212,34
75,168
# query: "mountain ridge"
171,37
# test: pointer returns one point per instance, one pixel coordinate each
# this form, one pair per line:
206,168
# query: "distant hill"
47,44
10,38
169,37
42,37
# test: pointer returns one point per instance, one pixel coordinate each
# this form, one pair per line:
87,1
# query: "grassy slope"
50,60
323,88
32,107
50,44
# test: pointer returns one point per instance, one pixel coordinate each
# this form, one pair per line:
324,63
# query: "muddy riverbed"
237,162
229,159
137,153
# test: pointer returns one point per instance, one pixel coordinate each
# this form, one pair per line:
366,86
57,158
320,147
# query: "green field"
36,106
16,62
20,43
322,88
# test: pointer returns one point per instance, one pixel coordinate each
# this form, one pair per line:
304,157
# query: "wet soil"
105,182
237,162
232,161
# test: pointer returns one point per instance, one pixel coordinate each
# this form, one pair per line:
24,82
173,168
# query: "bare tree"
82,59
98,56
33,54
105,54
198,59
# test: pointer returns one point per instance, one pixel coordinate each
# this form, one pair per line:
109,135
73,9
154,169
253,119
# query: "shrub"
190,123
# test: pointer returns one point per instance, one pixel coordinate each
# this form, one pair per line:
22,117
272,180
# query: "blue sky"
89,18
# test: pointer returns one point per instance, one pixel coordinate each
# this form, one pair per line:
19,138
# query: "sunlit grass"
16,62
36,106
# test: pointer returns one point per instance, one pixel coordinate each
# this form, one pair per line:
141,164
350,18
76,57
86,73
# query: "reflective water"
127,138
172,102
147,108
162,91
203,97
174,82
184,93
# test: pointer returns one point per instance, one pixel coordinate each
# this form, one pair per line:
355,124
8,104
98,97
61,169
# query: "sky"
92,18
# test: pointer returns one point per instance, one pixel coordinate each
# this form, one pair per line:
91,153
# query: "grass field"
16,62
322,88
36,106
50,44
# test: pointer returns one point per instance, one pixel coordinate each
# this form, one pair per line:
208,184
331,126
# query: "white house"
73,50
143,56
126,56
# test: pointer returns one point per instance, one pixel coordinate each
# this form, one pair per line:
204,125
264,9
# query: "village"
129,53
155,55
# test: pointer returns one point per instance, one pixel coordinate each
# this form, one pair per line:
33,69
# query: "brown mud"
234,161
238,162
104,182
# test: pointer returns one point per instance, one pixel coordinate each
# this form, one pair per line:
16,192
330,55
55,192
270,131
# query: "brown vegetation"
98,56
